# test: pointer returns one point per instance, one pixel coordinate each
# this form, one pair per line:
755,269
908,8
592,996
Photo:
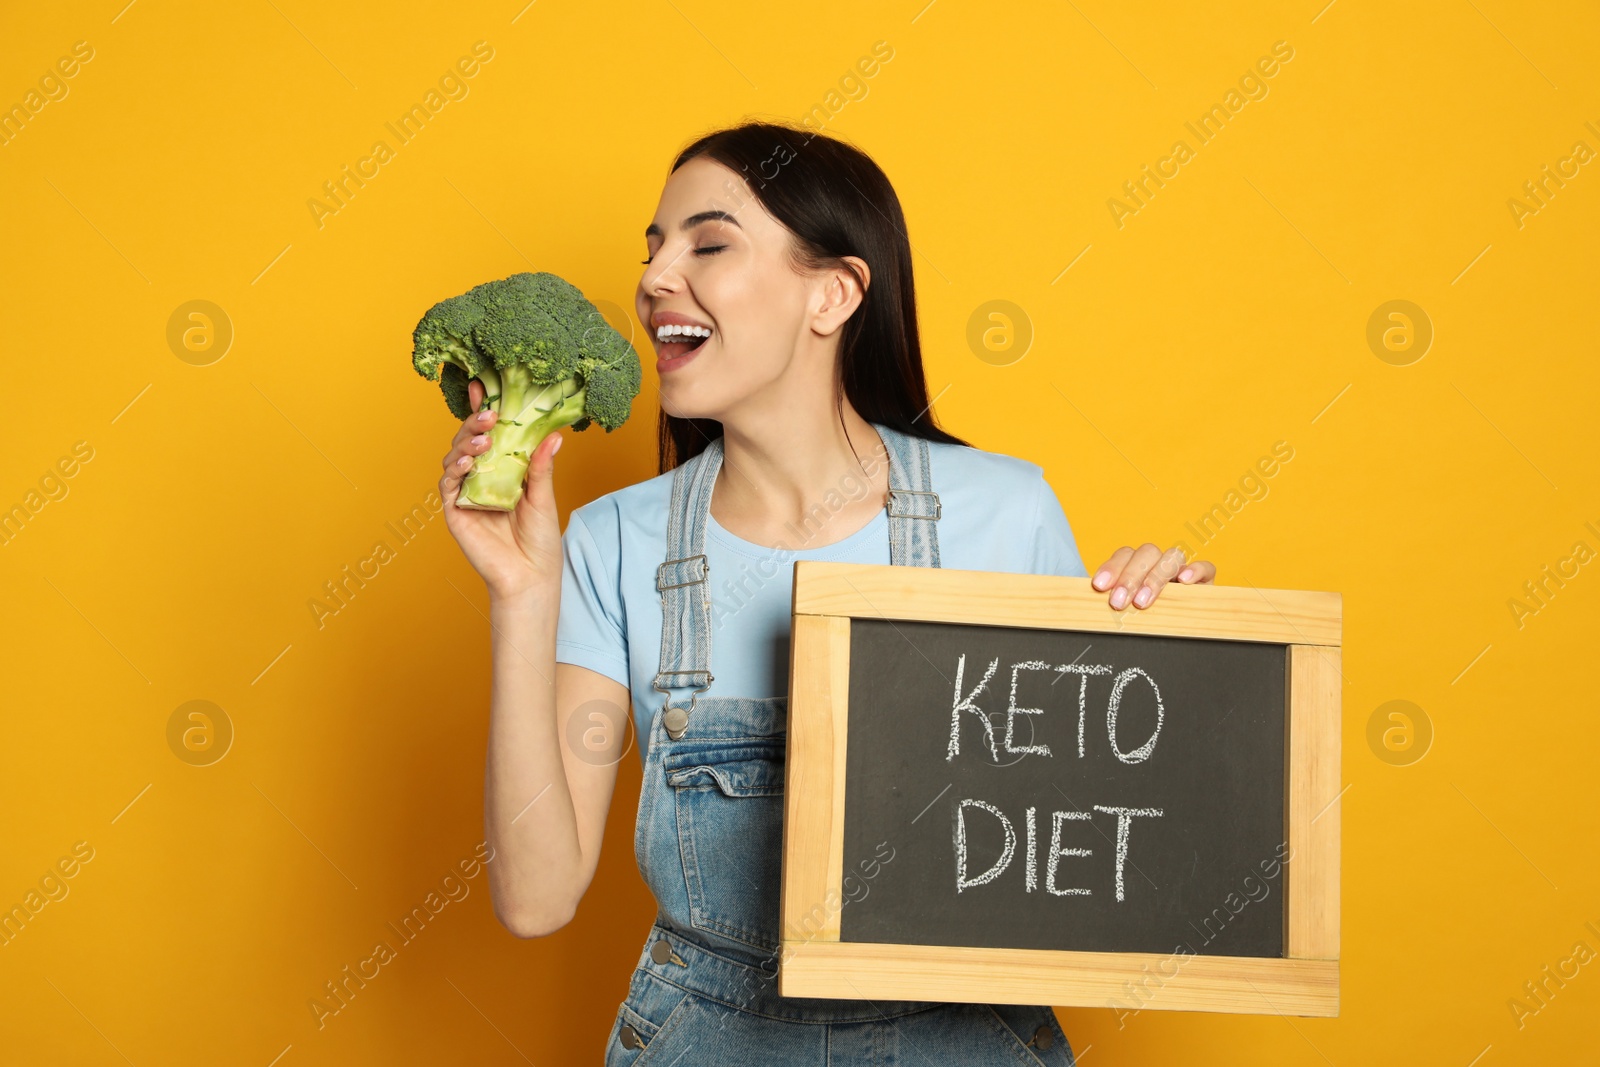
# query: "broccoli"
546,358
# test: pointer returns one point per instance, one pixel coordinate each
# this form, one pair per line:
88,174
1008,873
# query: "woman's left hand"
1137,576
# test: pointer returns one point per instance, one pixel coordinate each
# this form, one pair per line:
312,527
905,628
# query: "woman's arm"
551,769
546,789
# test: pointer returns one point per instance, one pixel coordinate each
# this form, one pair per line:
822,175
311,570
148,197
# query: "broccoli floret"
547,359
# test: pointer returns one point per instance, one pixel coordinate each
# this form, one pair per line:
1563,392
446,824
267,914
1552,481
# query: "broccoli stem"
529,412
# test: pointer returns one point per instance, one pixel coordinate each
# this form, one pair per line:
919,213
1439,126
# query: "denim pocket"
651,1008
729,796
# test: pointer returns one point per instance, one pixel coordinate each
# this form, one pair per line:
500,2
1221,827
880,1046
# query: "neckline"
875,527
729,539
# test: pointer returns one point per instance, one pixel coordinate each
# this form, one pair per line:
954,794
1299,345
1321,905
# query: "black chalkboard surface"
1190,728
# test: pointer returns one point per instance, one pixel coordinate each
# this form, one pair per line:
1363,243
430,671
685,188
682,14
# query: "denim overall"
708,842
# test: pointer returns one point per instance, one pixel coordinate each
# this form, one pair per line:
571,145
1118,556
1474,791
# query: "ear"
840,295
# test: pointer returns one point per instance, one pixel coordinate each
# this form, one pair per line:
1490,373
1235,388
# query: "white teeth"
666,332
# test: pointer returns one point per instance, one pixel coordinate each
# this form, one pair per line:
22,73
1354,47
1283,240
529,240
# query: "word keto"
1084,671
1581,955
341,593
1252,86
854,88
453,87
1539,590
1253,488
340,993
1124,816
1232,905
52,84
1581,153
53,486
53,888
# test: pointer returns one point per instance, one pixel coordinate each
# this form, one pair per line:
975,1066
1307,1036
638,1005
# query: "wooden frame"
815,963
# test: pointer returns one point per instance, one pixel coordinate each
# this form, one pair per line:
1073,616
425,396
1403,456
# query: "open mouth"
674,342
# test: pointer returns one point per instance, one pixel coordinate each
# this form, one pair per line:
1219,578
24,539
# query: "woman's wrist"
533,598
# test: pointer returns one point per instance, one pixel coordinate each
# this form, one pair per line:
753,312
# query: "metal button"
676,720
1042,1037
661,951
630,1037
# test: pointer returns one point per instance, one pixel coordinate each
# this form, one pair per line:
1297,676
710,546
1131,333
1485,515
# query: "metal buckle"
656,685
656,682
937,507
705,575
674,725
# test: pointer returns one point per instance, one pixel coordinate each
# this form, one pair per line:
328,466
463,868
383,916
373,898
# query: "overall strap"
683,579
682,582
913,505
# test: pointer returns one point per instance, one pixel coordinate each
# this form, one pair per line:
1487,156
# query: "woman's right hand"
517,551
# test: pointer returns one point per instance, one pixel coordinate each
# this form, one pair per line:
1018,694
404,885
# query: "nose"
661,274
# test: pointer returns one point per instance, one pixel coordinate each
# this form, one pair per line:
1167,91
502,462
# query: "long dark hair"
836,202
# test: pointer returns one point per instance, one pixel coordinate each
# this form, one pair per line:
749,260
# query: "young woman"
794,424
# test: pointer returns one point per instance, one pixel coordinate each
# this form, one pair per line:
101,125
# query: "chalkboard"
1153,766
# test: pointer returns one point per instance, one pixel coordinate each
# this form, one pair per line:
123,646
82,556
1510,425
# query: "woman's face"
728,271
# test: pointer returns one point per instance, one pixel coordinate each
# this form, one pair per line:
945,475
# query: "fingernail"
481,439
1143,597
557,446
1185,574
1102,580
1119,597
463,462
484,416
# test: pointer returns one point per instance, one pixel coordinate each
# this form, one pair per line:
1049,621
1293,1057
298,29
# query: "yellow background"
1228,314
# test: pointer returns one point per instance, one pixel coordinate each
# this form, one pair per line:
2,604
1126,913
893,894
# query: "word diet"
1008,744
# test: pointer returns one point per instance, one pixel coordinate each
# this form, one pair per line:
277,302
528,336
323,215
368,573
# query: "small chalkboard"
1083,791
1000,790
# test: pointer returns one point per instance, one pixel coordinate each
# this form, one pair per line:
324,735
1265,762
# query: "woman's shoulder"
642,505
1006,514
959,468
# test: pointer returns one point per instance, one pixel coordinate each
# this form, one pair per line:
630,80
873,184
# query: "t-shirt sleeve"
591,631
1055,550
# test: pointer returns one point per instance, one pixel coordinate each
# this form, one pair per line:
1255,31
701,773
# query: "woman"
778,293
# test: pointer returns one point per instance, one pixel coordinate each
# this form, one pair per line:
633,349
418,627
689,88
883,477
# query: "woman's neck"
801,477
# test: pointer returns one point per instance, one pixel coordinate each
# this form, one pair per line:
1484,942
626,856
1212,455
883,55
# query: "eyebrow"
692,221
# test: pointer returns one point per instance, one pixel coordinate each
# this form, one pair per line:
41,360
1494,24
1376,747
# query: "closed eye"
709,250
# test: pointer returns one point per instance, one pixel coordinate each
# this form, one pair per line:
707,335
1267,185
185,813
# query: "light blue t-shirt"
997,514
